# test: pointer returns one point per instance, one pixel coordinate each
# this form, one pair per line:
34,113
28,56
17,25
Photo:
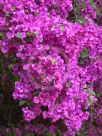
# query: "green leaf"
7,15
1,35
92,2
30,133
78,134
88,102
92,93
4,133
98,11
12,132
84,53
18,35
48,134
61,27
83,5
55,7
80,20
22,103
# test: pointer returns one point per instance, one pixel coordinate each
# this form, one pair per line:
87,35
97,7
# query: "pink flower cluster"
59,61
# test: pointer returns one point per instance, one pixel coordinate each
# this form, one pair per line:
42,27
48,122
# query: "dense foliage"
51,65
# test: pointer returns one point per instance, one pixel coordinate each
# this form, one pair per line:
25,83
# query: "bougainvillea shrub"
52,49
